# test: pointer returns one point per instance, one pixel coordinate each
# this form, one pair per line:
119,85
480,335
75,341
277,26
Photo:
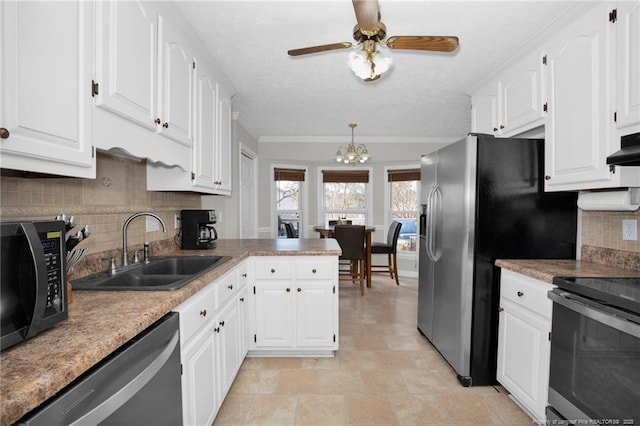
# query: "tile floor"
385,373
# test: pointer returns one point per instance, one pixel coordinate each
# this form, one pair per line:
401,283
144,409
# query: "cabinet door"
229,354
206,130
223,146
314,320
628,63
484,110
274,314
523,356
200,399
176,85
45,96
579,123
126,60
521,92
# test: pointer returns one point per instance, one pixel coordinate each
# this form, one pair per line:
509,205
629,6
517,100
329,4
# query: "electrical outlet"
152,224
630,229
177,223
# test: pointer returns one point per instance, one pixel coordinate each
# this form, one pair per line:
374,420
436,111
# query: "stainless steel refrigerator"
482,199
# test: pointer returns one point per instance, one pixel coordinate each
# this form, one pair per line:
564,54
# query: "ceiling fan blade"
367,15
434,43
321,48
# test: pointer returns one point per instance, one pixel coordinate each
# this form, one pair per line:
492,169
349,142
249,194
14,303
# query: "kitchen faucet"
124,231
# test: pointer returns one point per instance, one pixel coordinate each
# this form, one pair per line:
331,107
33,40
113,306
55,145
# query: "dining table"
327,231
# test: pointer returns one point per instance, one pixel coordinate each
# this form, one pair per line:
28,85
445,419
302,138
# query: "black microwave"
33,287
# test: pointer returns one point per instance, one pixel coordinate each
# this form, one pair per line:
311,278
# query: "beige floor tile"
508,412
400,342
468,409
255,381
418,410
233,410
341,382
369,410
322,363
357,360
272,410
321,410
297,381
369,342
427,382
383,381
282,363
388,359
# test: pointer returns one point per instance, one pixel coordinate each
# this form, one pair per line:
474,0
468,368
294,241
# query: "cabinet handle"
4,133
217,329
500,309
299,289
288,289
157,121
230,286
547,177
520,294
165,125
313,270
273,271
242,299
203,312
221,323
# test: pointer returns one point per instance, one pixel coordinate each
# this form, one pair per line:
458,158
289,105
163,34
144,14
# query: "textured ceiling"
315,96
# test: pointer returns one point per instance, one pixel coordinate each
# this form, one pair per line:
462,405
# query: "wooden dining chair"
351,241
389,248
291,233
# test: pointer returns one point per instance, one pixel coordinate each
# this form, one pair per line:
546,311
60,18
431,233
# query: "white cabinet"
212,329
523,341
296,305
513,103
144,73
628,63
222,170
45,87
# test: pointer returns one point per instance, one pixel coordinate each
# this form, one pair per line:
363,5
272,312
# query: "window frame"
368,190
303,203
387,204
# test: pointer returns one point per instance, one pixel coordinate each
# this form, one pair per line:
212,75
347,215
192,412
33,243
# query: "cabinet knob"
313,270
244,275
520,294
221,323
165,125
4,133
299,289
501,126
217,329
547,177
288,289
495,129
500,309
157,121
230,286
242,299
273,271
203,312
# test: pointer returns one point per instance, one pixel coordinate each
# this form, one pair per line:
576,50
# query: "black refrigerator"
482,199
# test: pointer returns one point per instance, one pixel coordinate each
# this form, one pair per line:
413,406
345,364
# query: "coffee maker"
197,229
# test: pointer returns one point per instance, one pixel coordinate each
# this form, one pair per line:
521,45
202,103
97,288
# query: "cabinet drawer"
195,312
225,287
274,269
318,268
527,292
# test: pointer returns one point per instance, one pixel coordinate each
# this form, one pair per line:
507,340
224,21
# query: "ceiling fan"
369,63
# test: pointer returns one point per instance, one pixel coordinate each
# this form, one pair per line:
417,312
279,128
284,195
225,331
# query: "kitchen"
104,202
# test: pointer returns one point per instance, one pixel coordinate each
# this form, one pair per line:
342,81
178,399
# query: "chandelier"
352,154
369,63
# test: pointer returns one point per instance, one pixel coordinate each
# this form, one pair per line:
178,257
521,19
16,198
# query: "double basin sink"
161,273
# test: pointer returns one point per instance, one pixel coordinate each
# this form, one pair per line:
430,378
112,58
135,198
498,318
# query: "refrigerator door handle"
428,224
436,223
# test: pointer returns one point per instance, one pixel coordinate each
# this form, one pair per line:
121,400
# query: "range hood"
629,154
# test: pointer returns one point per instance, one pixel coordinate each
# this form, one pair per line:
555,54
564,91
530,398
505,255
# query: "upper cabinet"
144,73
628,64
45,91
581,85
513,103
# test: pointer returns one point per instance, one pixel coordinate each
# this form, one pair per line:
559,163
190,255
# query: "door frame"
247,152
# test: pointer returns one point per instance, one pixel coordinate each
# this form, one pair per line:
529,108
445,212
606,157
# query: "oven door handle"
619,320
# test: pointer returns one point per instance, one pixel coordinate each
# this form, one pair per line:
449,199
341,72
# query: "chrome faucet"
124,231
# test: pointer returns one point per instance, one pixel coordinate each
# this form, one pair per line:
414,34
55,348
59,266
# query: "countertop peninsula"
101,321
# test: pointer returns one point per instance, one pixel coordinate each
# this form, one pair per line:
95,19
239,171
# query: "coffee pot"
198,231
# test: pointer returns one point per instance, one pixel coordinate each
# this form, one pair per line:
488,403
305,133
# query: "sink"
162,273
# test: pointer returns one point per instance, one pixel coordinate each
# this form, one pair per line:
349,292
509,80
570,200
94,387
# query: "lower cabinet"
295,305
213,336
523,341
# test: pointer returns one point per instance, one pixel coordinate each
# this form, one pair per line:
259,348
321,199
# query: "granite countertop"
101,321
546,269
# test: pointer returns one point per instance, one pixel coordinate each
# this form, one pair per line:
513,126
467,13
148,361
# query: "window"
288,198
404,190
345,195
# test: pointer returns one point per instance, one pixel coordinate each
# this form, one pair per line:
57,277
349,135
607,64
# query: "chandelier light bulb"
352,154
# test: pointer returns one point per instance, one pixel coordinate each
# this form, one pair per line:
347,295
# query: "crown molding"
359,139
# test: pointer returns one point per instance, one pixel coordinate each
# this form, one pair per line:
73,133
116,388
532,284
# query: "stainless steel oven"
595,351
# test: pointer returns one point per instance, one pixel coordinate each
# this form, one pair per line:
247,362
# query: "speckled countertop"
101,321
546,269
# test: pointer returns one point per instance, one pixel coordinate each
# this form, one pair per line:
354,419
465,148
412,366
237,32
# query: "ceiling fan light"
359,64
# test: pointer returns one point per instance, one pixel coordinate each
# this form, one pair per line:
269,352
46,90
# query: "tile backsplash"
604,229
104,203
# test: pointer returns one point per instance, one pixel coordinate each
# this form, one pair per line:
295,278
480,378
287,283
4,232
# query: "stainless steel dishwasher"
139,385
